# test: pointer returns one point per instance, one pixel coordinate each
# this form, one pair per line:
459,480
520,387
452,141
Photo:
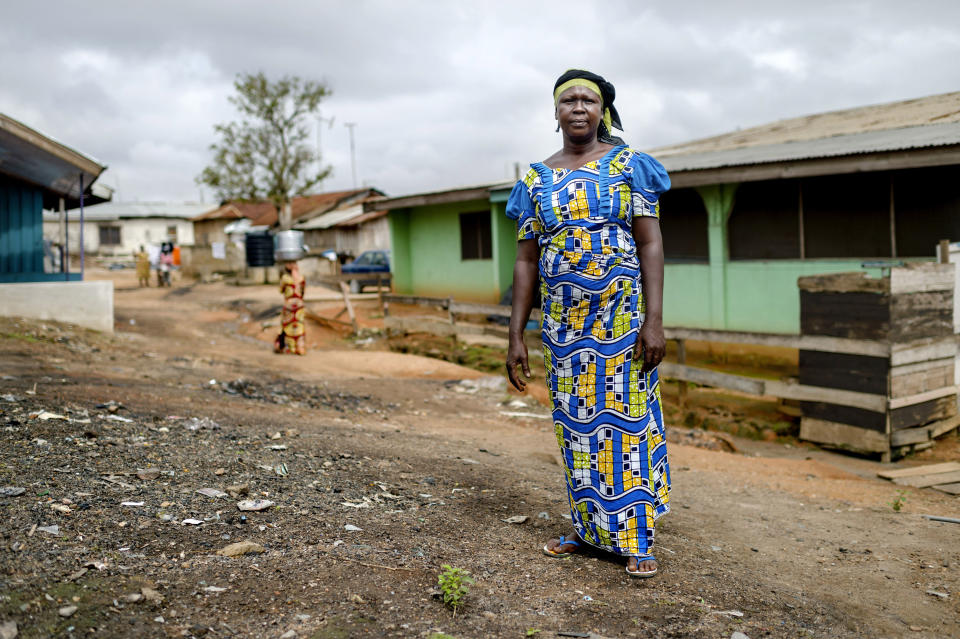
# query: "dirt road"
383,467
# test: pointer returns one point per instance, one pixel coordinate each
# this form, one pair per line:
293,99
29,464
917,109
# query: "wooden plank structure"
944,477
904,322
876,356
339,282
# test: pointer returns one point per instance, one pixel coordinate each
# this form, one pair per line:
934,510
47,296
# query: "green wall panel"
686,295
762,296
400,266
436,267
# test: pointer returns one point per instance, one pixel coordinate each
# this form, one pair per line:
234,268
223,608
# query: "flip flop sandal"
642,574
561,555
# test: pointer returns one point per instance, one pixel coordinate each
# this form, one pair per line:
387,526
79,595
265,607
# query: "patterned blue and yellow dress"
606,411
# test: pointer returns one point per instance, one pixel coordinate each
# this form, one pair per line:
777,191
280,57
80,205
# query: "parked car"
367,264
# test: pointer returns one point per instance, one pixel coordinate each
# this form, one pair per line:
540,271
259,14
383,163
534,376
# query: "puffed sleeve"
520,207
648,181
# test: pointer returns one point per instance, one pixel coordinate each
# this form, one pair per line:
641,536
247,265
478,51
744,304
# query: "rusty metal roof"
914,137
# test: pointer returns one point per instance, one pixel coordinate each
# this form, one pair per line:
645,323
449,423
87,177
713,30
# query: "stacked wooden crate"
893,342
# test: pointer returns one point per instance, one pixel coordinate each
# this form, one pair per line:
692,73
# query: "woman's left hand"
652,344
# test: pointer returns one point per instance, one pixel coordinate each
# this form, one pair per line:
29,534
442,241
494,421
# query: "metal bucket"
288,246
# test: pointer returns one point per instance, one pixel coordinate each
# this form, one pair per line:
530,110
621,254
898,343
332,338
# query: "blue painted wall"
21,234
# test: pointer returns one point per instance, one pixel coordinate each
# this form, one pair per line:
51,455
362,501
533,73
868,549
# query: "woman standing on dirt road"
588,223
292,338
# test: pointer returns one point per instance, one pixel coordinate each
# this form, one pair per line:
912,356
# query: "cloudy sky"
448,92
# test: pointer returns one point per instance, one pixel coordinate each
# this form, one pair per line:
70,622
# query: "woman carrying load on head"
588,226
293,338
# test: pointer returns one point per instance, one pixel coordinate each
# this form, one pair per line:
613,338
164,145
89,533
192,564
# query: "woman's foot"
643,567
562,547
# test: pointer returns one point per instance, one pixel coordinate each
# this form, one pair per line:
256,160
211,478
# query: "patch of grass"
897,503
455,584
23,337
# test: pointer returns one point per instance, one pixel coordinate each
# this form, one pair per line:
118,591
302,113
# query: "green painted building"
748,214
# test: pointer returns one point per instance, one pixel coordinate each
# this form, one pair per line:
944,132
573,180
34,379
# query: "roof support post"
81,227
718,200
65,267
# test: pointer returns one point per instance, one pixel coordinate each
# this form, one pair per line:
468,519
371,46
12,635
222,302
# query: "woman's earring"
558,126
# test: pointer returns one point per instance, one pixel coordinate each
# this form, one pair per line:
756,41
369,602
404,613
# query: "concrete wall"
133,233
87,304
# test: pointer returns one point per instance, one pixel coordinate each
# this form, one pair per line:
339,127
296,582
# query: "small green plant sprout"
533,632
897,503
454,583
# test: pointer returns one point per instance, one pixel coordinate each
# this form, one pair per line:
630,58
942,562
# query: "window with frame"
109,235
172,232
476,240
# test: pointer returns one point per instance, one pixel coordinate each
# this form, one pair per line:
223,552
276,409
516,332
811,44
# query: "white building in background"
120,228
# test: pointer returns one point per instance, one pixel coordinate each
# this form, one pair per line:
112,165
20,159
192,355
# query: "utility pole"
353,152
320,121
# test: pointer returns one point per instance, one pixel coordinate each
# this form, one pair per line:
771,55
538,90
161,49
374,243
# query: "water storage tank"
259,249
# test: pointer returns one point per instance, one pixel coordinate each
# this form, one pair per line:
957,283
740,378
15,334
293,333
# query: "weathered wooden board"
919,398
334,279
920,315
860,418
909,436
808,342
921,377
849,315
842,371
923,413
915,471
919,278
925,481
712,378
802,392
942,427
497,310
414,300
462,308
923,350
950,489
843,435
843,345
850,282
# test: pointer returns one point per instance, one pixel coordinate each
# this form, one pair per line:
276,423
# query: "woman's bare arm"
524,281
651,341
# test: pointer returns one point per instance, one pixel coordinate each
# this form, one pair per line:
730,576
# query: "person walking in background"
143,267
292,338
165,264
588,225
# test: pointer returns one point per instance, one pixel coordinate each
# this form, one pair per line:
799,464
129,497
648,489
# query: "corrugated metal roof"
914,137
137,210
933,109
326,220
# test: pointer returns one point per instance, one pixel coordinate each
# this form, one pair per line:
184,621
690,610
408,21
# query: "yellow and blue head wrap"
595,83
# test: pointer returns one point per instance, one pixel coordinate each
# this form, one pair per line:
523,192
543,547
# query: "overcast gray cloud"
448,93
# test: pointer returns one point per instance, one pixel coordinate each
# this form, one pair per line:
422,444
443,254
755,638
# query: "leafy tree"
267,155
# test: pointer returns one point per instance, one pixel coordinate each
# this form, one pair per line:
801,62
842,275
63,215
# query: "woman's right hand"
517,356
